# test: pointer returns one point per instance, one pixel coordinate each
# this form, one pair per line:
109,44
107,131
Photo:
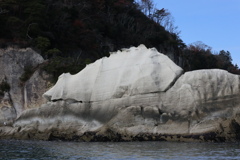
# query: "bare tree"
198,46
146,6
160,16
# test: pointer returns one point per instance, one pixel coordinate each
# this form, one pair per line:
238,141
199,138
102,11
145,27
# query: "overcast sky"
214,22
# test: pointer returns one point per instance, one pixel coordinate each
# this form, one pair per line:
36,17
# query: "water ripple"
43,150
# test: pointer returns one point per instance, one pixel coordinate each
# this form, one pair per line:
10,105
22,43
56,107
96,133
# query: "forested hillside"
73,33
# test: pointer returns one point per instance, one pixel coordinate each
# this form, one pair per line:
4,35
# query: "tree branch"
28,29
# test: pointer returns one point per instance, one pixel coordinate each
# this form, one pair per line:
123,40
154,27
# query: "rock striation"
135,94
134,71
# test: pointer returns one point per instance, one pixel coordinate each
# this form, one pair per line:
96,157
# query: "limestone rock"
203,91
7,111
136,94
19,69
131,72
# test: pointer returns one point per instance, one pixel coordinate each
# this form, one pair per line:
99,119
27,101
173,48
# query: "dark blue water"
41,150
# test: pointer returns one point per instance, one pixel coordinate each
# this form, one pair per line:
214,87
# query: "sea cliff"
22,82
135,94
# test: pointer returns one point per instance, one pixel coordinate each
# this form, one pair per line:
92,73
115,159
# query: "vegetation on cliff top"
72,33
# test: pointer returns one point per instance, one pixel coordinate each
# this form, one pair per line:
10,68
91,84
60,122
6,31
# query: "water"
41,150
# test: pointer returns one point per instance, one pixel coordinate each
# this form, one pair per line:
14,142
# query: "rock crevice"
20,68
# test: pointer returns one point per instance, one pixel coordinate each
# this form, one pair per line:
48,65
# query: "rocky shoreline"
231,134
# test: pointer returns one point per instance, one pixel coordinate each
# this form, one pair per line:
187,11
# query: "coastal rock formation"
22,83
136,94
132,72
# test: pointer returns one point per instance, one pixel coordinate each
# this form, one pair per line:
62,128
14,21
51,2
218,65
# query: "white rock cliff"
136,94
132,72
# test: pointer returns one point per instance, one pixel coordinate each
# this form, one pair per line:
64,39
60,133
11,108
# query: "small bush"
28,71
42,43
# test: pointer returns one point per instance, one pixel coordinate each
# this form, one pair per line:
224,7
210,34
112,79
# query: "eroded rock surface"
136,94
22,82
134,71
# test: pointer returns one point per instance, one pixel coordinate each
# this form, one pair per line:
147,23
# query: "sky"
216,23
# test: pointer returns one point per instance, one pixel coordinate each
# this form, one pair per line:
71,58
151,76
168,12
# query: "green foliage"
81,24
14,22
28,71
199,56
87,61
225,56
52,52
71,33
42,43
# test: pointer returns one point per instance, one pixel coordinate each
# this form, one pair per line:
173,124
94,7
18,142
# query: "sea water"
48,150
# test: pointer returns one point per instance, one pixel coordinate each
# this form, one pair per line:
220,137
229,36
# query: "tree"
160,14
147,7
42,43
199,46
225,56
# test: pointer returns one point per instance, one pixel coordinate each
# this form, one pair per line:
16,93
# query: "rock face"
136,94
135,71
22,82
